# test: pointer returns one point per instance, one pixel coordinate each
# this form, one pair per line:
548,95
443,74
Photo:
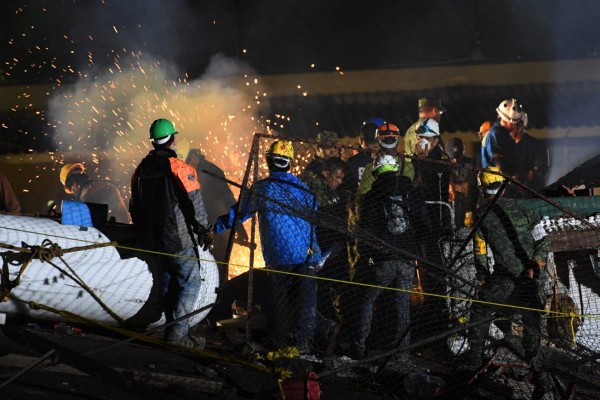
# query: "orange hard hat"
485,127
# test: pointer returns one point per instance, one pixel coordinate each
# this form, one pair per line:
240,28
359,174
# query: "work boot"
196,343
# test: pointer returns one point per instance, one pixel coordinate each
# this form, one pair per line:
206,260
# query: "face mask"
423,145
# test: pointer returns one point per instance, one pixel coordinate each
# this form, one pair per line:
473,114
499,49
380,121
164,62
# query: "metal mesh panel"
405,283
89,279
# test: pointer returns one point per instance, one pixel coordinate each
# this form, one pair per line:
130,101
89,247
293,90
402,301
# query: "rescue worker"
387,136
325,148
432,181
357,164
325,184
534,160
499,148
77,183
428,108
166,204
482,134
386,215
484,129
462,192
217,197
8,198
369,148
332,215
462,280
286,211
520,254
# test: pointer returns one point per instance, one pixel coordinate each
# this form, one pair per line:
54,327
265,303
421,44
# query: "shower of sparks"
100,115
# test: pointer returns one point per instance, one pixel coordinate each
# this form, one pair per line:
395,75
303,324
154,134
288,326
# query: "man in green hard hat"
167,205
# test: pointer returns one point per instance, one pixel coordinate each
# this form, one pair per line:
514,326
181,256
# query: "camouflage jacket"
324,194
410,138
314,168
507,229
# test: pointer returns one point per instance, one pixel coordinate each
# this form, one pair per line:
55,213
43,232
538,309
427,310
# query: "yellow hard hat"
66,170
281,148
490,179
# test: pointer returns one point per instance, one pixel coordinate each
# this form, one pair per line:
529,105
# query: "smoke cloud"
106,118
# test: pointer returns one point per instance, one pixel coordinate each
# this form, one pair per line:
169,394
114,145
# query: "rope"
100,245
48,250
448,297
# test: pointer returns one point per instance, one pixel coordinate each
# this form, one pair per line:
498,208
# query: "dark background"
50,37
64,40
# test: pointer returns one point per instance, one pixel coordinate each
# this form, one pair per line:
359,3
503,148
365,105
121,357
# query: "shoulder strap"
402,166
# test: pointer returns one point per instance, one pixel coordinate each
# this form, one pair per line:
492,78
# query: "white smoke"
103,119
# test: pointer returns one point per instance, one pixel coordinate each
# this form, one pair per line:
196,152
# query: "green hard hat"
162,128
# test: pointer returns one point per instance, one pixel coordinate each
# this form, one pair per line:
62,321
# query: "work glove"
206,237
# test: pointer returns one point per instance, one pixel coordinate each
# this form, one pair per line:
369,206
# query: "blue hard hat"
377,121
369,127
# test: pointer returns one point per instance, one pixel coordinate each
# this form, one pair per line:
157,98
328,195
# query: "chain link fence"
419,272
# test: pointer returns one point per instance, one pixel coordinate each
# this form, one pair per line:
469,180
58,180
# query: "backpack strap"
402,166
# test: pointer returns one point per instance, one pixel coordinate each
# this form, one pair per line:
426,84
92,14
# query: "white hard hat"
428,128
510,111
385,163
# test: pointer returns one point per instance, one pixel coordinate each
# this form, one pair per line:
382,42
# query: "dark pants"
328,292
294,305
506,289
432,317
180,286
396,274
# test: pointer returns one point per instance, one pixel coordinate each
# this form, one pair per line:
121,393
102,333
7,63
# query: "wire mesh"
496,297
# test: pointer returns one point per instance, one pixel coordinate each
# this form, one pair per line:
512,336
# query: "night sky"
290,36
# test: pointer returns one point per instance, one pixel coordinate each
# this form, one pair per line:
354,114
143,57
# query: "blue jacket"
498,143
285,205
